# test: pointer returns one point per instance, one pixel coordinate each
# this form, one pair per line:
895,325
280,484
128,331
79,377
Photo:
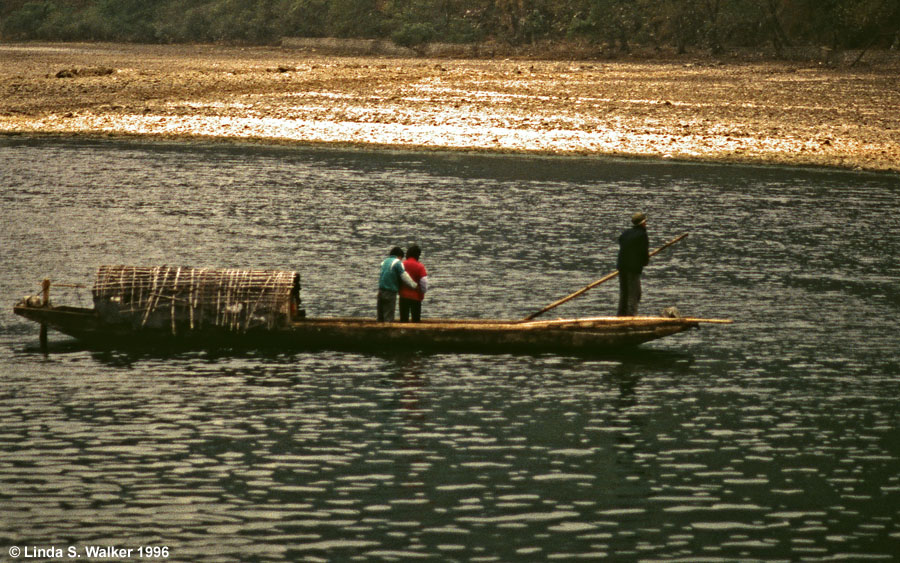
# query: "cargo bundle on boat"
209,307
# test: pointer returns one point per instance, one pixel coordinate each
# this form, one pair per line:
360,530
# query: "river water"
775,438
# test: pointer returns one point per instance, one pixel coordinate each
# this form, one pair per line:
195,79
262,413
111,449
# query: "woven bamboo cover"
194,298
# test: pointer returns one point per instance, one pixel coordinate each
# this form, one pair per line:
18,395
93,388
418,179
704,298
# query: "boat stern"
79,322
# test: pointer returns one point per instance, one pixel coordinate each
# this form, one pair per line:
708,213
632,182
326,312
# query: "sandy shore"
780,113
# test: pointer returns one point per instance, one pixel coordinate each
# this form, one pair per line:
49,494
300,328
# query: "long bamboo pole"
592,285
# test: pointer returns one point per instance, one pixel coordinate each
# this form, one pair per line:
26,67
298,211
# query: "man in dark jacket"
634,248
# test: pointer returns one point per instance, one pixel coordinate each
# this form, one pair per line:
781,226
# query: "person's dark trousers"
387,304
410,308
629,293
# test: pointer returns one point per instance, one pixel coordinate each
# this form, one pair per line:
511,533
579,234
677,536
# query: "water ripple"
773,439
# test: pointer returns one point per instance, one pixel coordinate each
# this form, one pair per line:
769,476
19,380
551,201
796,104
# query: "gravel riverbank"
746,112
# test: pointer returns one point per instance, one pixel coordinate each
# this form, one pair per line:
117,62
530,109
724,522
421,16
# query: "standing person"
392,277
411,299
634,253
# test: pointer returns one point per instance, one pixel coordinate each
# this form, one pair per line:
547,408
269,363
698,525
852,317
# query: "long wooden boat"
130,311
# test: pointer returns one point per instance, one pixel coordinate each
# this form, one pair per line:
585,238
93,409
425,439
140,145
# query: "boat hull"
593,336
584,335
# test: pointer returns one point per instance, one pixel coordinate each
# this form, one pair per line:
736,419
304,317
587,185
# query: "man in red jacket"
411,299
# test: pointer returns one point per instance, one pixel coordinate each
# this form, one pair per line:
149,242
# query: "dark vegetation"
608,25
